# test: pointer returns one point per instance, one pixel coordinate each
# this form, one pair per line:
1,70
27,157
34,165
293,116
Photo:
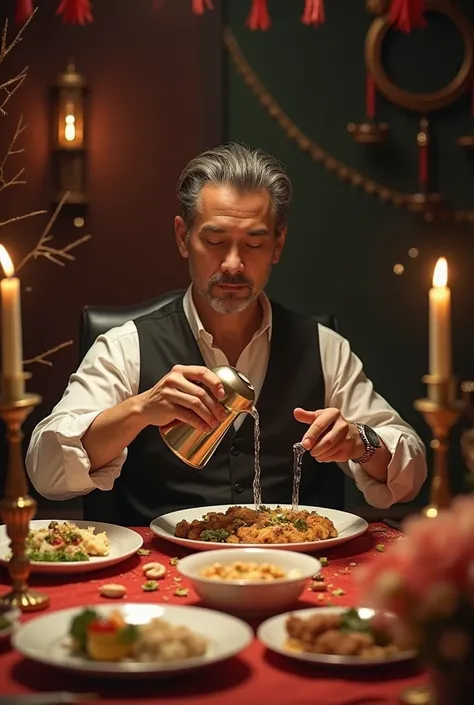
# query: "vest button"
234,450
238,487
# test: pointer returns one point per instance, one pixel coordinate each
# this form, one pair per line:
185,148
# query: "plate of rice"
73,547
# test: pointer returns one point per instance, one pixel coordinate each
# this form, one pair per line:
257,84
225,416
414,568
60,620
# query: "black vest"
154,481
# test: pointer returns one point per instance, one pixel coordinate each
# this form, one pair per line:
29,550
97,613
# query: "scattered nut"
352,565
338,592
320,596
143,552
177,580
174,561
318,586
154,570
319,578
150,586
181,592
112,590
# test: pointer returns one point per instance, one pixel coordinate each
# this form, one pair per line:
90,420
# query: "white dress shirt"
59,467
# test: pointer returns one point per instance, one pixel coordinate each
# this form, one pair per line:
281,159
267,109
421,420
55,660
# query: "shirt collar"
200,333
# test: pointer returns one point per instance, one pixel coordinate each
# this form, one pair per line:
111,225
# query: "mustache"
229,280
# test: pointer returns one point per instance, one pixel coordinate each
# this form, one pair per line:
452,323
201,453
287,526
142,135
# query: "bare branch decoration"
52,253
41,359
42,248
11,151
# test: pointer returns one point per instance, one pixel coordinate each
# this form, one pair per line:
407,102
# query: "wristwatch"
370,440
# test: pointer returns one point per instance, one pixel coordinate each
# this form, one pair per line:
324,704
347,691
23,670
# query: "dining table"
256,676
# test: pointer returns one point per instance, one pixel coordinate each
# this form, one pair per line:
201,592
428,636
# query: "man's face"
232,246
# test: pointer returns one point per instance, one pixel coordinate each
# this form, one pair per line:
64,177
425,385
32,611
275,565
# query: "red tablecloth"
256,676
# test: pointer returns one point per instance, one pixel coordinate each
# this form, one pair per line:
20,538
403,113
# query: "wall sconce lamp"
69,135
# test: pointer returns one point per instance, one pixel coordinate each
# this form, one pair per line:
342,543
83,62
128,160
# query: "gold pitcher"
194,446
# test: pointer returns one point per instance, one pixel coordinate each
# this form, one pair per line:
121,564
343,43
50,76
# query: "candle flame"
5,261
440,275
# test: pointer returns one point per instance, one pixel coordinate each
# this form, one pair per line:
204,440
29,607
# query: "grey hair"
237,167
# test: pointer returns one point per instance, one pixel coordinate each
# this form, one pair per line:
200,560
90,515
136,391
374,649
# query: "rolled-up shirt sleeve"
350,391
56,461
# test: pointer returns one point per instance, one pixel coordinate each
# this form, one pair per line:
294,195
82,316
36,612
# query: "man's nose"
232,262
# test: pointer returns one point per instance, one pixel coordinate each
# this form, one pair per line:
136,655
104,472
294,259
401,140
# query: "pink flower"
435,560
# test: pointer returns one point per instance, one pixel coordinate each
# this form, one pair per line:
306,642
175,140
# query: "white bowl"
250,597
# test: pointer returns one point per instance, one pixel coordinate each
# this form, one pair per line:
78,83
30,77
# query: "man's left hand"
330,438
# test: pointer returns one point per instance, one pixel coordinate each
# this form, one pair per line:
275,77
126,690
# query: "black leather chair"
96,320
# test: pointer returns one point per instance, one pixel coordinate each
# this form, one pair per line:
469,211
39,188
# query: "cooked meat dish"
263,526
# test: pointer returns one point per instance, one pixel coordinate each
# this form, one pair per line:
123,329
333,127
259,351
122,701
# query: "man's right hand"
187,393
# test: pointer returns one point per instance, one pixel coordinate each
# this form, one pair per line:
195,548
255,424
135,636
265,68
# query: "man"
309,386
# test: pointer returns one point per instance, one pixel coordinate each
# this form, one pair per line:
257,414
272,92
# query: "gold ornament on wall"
346,173
424,201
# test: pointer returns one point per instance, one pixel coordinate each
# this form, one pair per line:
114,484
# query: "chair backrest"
97,320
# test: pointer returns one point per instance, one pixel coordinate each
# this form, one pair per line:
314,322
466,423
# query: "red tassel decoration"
313,12
259,17
407,14
199,6
370,97
23,11
75,11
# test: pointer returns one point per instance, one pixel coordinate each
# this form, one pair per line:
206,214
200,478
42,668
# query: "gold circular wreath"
421,102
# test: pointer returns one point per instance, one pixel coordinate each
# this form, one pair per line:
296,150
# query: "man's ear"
279,245
180,231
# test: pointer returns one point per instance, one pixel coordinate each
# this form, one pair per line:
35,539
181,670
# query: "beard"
230,302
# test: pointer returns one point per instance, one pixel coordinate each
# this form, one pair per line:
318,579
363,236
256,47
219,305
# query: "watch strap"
369,449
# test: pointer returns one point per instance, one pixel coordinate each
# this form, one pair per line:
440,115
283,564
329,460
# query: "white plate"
273,633
123,544
348,526
45,639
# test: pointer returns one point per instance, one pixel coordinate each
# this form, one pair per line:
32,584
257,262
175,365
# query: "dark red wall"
155,101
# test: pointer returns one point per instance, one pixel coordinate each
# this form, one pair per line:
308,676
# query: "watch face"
372,437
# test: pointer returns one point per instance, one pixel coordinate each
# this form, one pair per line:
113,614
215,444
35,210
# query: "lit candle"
12,349
440,322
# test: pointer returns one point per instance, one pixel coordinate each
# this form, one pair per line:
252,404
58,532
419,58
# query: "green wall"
342,242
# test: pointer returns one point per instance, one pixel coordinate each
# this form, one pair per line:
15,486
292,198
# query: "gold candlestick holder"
441,411
17,508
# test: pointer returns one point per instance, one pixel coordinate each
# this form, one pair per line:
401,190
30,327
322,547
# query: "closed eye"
211,242
254,245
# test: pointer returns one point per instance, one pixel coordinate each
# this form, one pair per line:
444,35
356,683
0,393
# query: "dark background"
162,88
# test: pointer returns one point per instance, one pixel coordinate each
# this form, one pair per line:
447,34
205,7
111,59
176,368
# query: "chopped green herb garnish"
57,556
79,625
143,552
353,622
323,561
128,634
380,547
174,561
219,535
279,519
301,525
